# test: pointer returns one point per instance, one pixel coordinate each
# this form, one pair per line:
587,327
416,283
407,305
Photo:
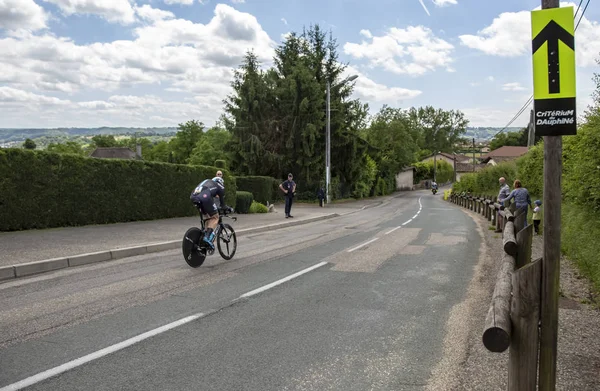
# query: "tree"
440,130
277,117
159,152
104,141
29,144
211,147
67,147
394,141
517,139
185,140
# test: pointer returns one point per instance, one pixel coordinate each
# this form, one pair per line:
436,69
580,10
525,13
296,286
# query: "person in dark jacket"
321,196
289,188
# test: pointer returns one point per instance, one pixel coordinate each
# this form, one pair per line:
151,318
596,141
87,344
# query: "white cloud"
119,11
182,2
188,59
493,117
284,21
22,14
513,87
509,35
371,91
238,1
491,78
153,14
117,110
414,50
10,95
366,34
443,3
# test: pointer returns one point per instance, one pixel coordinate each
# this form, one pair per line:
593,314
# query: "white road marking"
389,232
406,222
362,245
96,355
278,282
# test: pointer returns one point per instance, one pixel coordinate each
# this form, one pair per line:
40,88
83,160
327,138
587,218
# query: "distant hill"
14,136
17,135
486,134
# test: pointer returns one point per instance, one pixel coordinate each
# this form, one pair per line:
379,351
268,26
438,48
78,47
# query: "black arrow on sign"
553,33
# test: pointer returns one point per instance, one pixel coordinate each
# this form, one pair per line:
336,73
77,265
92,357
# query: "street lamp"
328,142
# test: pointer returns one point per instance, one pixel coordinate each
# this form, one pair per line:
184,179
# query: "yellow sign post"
554,89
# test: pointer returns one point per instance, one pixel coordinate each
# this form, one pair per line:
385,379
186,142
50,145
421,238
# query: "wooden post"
551,254
509,242
525,315
524,240
497,330
520,219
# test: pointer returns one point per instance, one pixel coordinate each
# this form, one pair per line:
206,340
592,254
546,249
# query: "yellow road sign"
554,87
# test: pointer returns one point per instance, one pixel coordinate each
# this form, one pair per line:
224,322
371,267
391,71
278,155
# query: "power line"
530,100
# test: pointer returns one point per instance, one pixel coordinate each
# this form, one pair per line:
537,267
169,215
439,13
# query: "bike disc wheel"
193,257
227,242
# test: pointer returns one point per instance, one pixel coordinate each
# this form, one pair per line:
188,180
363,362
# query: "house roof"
114,153
468,167
448,156
506,151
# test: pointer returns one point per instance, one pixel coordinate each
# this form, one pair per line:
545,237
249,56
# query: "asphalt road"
353,303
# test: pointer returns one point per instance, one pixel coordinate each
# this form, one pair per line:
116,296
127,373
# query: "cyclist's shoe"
208,239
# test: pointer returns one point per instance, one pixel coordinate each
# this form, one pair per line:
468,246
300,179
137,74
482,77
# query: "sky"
155,63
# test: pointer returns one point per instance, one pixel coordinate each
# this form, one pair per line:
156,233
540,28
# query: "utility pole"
328,146
454,154
434,165
551,254
473,154
531,131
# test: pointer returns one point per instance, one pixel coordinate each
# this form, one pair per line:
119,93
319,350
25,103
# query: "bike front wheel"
227,242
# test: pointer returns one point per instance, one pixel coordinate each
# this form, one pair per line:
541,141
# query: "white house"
405,179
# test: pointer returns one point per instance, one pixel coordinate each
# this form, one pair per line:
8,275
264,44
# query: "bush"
244,201
263,188
381,188
486,180
40,189
222,164
580,230
257,207
424,170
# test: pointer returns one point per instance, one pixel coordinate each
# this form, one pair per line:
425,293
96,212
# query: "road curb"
48,265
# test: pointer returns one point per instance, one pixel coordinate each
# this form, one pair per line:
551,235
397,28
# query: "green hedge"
263,188
244,201
257,207
40,189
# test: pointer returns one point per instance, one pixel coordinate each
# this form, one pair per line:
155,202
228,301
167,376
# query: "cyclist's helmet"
219,180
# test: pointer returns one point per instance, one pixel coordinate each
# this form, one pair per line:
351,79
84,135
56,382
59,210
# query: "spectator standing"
289,188
321,195
502,195
537,216
522,201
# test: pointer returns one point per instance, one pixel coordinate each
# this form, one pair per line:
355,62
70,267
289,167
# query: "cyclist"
203,198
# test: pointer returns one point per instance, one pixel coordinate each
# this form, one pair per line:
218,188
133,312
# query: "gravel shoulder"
468,365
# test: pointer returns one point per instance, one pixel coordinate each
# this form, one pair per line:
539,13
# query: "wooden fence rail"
512,321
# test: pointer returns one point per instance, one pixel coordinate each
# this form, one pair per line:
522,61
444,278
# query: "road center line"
362,245
96,355
389,232
406,222
278,282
